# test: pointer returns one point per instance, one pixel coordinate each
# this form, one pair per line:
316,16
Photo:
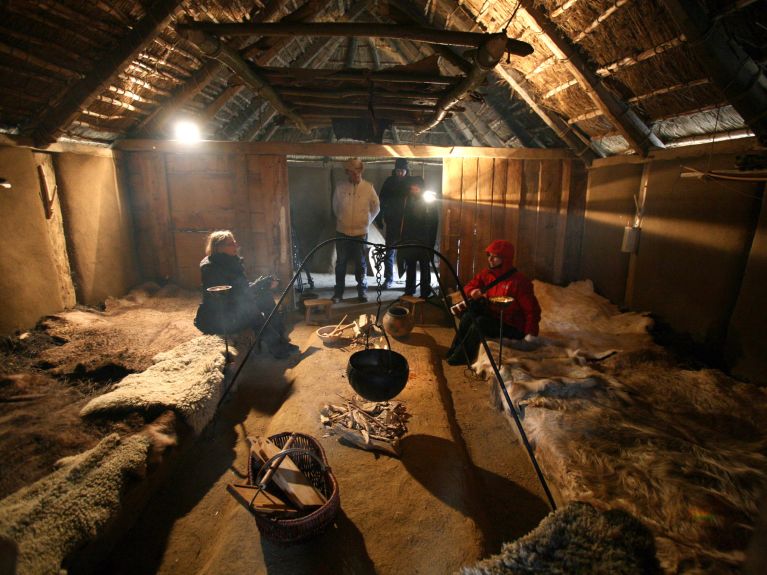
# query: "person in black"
244,305
393,193
420,220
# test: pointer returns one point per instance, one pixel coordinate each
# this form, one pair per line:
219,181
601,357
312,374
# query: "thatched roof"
604,76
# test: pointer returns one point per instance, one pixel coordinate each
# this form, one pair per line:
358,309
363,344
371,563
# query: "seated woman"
500,279
245,305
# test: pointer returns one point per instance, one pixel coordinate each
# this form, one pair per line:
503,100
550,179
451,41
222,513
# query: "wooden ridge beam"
344,150
638,135
357,76
391,31
51,124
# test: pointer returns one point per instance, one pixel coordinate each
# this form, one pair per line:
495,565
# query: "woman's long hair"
215,239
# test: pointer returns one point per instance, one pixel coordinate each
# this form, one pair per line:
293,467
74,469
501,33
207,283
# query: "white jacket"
355,206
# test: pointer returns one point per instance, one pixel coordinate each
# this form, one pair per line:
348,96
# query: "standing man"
355,204
393,194
420,220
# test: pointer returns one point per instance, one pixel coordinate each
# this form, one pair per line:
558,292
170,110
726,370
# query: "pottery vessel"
398,322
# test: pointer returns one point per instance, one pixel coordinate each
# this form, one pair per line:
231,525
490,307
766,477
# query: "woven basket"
296,530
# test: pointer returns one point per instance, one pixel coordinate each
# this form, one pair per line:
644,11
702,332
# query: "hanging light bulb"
429,196
187,131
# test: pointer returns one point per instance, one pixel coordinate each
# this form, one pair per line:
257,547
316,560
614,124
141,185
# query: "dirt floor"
462,487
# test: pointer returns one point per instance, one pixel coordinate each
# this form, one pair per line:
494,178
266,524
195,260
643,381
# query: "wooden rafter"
52,123
638,135
570,135
198,82
740,78
348,29
215,48
405,11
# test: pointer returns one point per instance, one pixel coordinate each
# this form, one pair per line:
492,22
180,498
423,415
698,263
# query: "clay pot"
398,322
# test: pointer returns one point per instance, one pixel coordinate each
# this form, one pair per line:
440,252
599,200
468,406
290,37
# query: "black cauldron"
377,374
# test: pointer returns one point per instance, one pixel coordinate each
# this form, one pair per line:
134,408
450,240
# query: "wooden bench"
318,311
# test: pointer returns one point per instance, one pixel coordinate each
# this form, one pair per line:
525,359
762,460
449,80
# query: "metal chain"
379,253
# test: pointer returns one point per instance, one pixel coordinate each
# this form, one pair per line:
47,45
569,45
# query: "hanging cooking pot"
377,374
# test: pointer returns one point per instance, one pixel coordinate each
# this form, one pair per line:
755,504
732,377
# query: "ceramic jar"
398,322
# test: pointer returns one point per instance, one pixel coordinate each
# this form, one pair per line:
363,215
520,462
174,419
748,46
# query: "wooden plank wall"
535,204
179,198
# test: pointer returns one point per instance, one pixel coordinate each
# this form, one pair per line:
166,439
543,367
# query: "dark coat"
392,199
420,222
227,311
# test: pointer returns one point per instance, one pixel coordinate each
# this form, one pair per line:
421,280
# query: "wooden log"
372,444
290,479
255,499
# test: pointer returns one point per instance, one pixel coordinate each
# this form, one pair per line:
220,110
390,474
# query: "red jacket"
525,312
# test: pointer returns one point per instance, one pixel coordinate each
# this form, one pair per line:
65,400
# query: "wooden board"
255,499
289,478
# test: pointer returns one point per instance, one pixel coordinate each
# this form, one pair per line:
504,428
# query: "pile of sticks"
375,426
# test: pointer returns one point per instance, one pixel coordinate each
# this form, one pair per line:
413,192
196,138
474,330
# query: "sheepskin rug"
577,539
187,380
54,516
617,423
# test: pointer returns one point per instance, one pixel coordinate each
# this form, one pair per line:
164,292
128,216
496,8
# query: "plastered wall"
29,286
98,226
67,233
695,246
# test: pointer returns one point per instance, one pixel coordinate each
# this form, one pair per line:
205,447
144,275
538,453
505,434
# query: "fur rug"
51,518
684,451
187,379
577,539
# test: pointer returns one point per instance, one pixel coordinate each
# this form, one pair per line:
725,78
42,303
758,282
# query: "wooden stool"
322,306
414,304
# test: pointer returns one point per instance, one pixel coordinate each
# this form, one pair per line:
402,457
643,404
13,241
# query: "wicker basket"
296,530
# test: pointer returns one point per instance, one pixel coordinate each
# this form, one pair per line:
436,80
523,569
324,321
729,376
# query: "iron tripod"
493,364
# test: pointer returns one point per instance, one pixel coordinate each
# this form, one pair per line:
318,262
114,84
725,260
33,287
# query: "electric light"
429,196
187,131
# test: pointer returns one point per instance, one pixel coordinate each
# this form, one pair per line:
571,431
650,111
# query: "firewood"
370,445
290,479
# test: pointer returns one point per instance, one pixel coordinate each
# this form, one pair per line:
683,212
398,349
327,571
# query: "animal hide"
684,451
187,379
577,539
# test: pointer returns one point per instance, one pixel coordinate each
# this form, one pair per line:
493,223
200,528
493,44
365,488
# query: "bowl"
334,340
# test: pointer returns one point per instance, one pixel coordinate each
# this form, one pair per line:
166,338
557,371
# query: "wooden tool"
289,477
276,463
254,498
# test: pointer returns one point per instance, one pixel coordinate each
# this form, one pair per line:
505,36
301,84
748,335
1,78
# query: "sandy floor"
462,487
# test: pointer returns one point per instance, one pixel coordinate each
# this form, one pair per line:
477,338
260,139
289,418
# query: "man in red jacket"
500,279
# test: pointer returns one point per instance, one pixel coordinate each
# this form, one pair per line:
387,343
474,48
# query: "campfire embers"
375,426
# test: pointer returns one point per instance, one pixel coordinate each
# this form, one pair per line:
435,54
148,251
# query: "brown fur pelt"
684,451
577,539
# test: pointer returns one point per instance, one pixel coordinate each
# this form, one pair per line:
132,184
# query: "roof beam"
391,31
214,48
50,125
200,79
573,138
638,135
740,78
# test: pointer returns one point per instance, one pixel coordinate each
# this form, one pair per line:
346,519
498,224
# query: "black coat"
392,199
420,222
227,311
